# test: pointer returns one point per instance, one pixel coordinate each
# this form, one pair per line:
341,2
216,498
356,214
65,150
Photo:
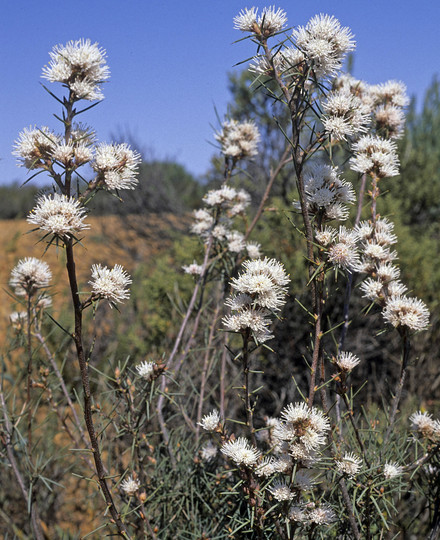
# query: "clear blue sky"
169,62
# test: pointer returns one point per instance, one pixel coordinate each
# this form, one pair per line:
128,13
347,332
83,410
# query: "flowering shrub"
321,466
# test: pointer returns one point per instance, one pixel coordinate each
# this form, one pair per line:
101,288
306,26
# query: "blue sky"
169,63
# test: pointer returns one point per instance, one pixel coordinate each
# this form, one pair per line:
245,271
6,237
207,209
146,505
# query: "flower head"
405,311
238,140
146,370
268,23
375,155
324,43
210,421
29,275
208,451
391,470
81,66
281,491
116,165
346,115
346,361
241,452
110,284
423,423
35,147
58,214
350,464
130,486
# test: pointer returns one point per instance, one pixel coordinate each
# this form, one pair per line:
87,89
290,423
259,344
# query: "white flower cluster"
222,205
384,101
110,284
146,370
391,470
130,486
267,24
238,140
29,275
424,425
58,214
383,285
211,421
349,465
261,290
35,147
375,156
40,148
342,251
346,361
81,66
18,320
326,193
324,43
241,452
311,513
346,115
288,62
116,165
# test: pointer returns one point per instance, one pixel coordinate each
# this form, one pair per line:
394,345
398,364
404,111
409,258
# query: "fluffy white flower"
81,66
253,250
110,284
146,370
350,464
390,121
241,452
210,421
324,43
238,140
35,147
391,470
268,23
425,425
390,92
375,155
130,486
193,269
346,115
29,275
18,319
208,451
281,491
116,165
346,361
58,214
236,242
405,311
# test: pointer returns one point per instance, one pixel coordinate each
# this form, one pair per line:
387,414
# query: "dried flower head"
241,452
81,66
110,284
29,275
116,165
59,215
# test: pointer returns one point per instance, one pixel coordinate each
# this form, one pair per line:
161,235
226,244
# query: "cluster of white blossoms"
311,513
342,251
424,425
383,286
324,43
238,140
346,115
58,214
81,66
349,465
211,421
29,275
261,290
241,452
130,486
116,165
111,285
221,206
208,451
346,361
267,24
326,193
375,156
35,147
288,62
385,103
18,320
146,370
391,470
40,148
